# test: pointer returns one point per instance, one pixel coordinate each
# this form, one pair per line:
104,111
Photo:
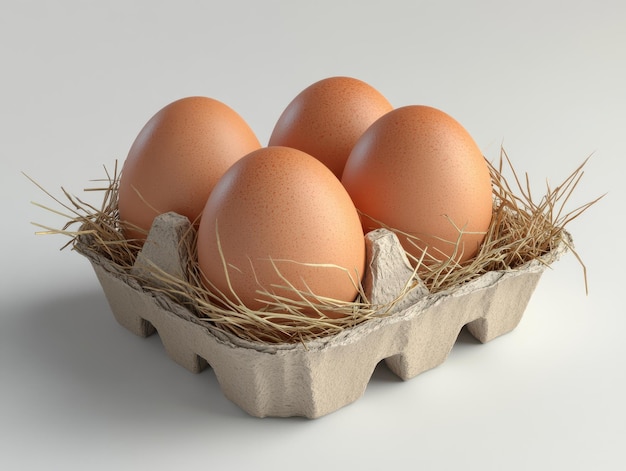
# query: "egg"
326,119
277,217
176,160
418,171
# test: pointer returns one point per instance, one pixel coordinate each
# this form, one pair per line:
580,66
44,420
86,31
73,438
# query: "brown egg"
281,206
177,159
417,170
326,119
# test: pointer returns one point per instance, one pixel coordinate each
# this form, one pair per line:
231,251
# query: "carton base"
323,375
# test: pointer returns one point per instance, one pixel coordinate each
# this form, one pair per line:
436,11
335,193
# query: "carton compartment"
319,376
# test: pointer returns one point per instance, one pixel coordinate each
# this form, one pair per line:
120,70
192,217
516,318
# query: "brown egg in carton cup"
317,376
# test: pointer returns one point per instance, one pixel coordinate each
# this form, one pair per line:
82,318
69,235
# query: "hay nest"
521,231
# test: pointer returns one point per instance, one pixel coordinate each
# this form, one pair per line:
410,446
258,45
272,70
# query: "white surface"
79,79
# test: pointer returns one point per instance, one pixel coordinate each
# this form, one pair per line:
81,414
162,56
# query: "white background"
545,79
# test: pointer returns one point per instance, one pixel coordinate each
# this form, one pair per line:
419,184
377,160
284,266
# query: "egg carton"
317,377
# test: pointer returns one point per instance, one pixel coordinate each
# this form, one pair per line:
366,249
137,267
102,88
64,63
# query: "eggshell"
280,205
177,159
326,119
418,171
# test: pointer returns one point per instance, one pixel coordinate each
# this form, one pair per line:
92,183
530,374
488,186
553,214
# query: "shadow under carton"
317,377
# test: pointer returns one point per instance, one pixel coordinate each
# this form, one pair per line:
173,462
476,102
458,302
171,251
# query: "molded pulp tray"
320,376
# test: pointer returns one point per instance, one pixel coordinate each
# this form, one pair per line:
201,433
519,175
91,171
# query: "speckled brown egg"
280,208
177,159
326,119
418,171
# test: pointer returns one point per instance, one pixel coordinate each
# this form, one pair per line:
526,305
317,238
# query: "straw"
521,230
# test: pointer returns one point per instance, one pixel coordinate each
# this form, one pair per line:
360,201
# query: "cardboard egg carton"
317,377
